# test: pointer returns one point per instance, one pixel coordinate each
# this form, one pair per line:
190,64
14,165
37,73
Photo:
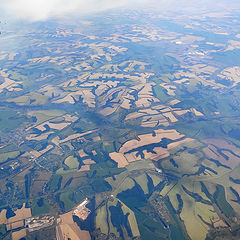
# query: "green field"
44,115
40,206
8,155
71,162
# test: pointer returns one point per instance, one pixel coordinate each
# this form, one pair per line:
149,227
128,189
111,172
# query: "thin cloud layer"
37,10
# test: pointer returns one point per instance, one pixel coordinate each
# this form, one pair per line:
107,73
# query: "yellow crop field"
101,219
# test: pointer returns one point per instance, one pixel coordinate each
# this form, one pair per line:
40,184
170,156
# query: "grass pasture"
131,219
193,208
112,228
71,162
30,99
44,115
8,155
68,203
143,182
40,206
185,162
155,178
101,219
10,119
62,171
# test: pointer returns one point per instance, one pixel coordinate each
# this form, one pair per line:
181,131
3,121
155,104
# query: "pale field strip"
108,96
119,158
88,98
183,80
131,219
75,81
149,111
173,102
87,95
211,151
38,154
170,116
192,210
98,48
11,56
57,126
147,139
86,66
69,98
15,225
88,161
40,60
119,98
219,223
159,118
57,141
61,60
197,113
175,144
3,56
110,68
181,112
3,218
152,33
40,137
70,229
222,144
125,38
188,39
131,64
188,77
142,77
97,139
109,83
21,214
153,123
233,160
158,107
82,153
44,77
126,102
201,68
84,168
108,110
232,74
159,154
9,84
159,114
216,44
115,102
232,45
49,90
70,118
145,95
101,217
170,88
19,234
124,156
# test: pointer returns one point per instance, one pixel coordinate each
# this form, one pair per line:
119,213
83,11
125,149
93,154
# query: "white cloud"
34,10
